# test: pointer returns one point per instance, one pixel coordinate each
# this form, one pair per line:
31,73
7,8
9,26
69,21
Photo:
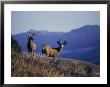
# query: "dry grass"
23,65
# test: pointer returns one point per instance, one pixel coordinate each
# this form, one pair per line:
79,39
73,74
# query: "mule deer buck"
53,52
31,46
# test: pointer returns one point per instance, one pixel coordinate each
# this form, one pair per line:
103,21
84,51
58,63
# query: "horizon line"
54,31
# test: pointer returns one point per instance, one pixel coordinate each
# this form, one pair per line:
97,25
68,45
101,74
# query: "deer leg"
54,58
34,54
46,54
28,52
31,53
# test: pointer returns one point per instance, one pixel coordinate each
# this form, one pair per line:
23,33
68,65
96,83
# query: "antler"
29,34
65,42
33,35
58,42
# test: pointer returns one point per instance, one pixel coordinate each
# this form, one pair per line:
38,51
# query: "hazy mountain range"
82,43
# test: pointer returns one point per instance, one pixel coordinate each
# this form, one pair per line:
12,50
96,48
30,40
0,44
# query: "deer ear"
65,42
34,34
58,42
28,35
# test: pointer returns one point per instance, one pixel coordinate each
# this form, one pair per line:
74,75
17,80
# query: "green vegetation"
15,46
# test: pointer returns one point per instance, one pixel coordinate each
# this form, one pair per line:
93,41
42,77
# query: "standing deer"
53,52
31,46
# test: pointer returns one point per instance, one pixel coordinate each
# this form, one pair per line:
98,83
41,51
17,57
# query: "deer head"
61,45
31,36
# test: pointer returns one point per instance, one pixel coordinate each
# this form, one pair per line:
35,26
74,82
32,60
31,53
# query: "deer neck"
31,41
60,49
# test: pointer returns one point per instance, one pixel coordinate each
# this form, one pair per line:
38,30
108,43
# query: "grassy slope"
23,65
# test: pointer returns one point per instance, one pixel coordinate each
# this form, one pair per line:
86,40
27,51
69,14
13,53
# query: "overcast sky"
64,21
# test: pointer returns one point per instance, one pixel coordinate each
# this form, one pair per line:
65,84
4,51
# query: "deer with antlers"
31,46
53,52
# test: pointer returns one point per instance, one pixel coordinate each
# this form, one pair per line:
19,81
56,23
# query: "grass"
23,65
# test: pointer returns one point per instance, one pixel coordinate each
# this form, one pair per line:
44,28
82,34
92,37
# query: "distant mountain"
83,43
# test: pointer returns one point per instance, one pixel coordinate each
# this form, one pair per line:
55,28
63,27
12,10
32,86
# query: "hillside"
78,58
24,65
83,43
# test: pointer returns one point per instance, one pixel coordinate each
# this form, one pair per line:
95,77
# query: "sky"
52,21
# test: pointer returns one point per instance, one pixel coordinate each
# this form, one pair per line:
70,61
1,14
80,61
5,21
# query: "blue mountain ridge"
82,43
